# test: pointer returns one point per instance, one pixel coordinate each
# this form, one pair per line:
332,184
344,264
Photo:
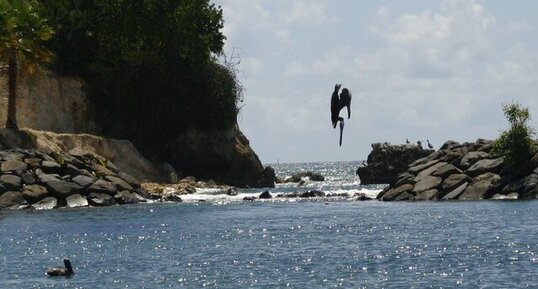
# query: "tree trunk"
12,94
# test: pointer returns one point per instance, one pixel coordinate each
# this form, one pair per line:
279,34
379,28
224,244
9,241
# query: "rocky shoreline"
37,180
467,171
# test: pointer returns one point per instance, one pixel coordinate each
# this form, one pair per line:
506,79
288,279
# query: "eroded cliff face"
48,102
224,156
51,103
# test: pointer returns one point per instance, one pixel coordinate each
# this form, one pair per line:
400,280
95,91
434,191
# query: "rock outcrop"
386,161
40,180
224,156
465,171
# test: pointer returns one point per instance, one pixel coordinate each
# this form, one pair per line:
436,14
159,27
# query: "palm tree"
23,33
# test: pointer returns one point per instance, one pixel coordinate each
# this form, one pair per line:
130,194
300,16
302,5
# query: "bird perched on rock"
429,144
407,141
67,271
337,103
419,144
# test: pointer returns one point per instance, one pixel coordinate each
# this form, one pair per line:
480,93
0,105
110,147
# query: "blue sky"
437,70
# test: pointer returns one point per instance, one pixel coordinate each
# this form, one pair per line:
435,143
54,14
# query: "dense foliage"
23,33
516,144
149,65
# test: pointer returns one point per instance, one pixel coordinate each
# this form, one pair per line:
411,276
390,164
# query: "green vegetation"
23,33
516,144
150,66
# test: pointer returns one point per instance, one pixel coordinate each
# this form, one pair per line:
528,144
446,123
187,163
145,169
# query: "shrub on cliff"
516,144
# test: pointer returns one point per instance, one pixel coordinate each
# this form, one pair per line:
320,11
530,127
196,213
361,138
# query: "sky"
417,70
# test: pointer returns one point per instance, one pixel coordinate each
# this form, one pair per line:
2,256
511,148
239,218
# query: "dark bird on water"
337,103
429,144
67,271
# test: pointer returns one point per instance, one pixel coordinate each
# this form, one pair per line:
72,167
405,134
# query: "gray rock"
454,156
51,167
429,171
120,184
419,162
34,193
12,198
454,181
450,144
361,197
126,197
404,196
172,198
446,171
76,201
427,183
14,166
71,170
428,195
83,181
312,194
28,178
102,186
480,187
419,168
2,189
231,192
33,163
63,189
265,195
316,177
11,182
47,203
404,178
132,181
43,177
472,157
454,194
393,194
484,166
100,199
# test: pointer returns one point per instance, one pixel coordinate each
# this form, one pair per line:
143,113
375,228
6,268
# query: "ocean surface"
225,242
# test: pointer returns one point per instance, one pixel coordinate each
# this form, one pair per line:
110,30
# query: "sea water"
294,243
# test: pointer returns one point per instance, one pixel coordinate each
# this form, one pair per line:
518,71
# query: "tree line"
150,66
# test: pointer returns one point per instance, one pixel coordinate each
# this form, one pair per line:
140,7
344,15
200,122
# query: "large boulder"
428,195
100,199
385,162
13,165
454,181
62,189
455,193
481,187
393,194
11,182
47,203
76,201
472,157
102,186
34,193
12,198
485,165
427,183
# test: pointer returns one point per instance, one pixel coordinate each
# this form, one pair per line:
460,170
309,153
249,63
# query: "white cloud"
305,13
